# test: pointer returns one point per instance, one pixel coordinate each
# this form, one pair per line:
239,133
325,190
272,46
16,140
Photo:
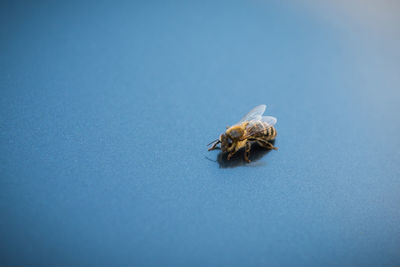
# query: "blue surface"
106,110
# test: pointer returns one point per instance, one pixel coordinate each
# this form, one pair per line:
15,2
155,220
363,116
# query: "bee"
253,127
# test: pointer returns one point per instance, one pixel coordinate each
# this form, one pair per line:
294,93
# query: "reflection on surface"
256,153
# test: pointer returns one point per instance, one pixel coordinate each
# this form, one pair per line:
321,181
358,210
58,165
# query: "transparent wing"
255,127
254,114
271,121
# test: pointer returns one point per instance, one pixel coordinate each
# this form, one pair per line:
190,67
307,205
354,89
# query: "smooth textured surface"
106,110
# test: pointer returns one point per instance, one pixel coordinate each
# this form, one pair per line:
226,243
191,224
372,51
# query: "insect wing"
271,121
254,114
255,127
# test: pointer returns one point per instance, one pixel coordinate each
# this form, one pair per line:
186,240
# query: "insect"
253,127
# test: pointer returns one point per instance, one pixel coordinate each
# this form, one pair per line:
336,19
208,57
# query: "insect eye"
235,134
229,141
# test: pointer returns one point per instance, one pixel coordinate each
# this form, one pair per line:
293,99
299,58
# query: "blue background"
106,109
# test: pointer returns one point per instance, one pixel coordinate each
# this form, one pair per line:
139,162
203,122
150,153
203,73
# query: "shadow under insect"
256,153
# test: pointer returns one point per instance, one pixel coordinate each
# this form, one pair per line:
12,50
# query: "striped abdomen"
261,130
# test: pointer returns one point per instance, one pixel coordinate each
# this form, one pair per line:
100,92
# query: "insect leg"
247,152
232,153
266,144
237,147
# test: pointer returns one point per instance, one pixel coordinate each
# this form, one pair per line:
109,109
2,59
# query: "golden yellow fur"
239,136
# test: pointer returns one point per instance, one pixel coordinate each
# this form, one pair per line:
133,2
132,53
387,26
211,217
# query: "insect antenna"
213,142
